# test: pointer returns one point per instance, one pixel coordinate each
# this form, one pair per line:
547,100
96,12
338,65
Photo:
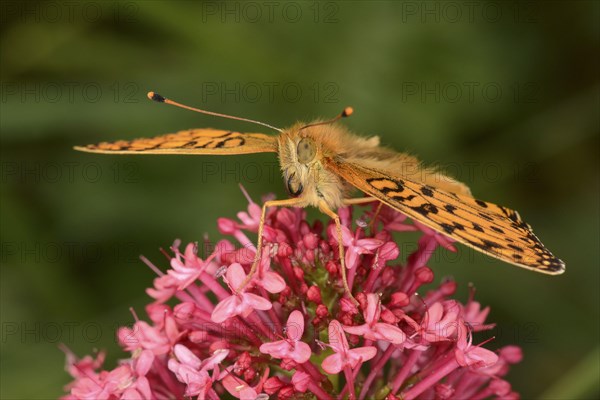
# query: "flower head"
289,330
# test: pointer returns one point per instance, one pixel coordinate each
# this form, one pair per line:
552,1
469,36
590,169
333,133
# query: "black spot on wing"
427,191
226,134
486,217
516,248
459,226
240,142
520,225
386,185
489,245
511,214
449,229
481,203
477,227
496,229
425,209
190,144
450,208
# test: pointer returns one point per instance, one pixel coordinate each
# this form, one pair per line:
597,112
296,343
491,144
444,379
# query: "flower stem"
376,369
350,382
318,391
405,370
431,379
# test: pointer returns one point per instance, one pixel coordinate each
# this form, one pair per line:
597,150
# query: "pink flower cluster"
292,332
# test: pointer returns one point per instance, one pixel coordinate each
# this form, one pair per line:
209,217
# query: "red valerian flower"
292,330
238,303
374,330
190,370
355,246
292,347
344,356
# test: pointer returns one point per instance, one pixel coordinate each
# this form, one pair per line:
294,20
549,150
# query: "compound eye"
306,151
294,186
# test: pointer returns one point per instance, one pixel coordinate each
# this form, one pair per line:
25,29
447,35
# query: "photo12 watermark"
269,92
470,92
472,172
69,12
68,172
70,92
319,12
66,332
63,251
239,171
471,12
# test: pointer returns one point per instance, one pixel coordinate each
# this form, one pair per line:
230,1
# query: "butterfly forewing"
191,141
486,227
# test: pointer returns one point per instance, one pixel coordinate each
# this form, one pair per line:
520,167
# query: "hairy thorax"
304,153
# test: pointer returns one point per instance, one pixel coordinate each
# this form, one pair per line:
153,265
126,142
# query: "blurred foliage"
503,94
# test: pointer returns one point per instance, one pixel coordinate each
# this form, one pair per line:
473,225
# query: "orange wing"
191,141
486,227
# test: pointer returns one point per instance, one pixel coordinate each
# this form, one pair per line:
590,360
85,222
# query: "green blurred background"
503,94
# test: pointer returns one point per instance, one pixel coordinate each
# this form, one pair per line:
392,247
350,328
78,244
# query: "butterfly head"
302,149
297,154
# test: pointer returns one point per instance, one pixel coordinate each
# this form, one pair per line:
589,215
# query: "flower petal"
476,357
226,309
368,245
294,329
302,352
272,282
235,275
256,302
359,330
389,332
371,313
144,362
277,349
300,380
332,364
337,338
218,356
361,354
185,356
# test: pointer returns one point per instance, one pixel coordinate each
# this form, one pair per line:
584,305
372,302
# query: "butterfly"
322,162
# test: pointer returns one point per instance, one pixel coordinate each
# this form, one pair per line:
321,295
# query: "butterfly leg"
377,211
271,203
338,225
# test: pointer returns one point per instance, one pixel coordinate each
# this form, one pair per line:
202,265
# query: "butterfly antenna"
346,113
160,99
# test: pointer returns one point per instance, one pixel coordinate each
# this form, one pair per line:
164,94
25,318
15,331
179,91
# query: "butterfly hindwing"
486,227
191,141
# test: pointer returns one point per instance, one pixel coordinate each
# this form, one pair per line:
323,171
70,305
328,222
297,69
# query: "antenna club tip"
347,112
156,97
